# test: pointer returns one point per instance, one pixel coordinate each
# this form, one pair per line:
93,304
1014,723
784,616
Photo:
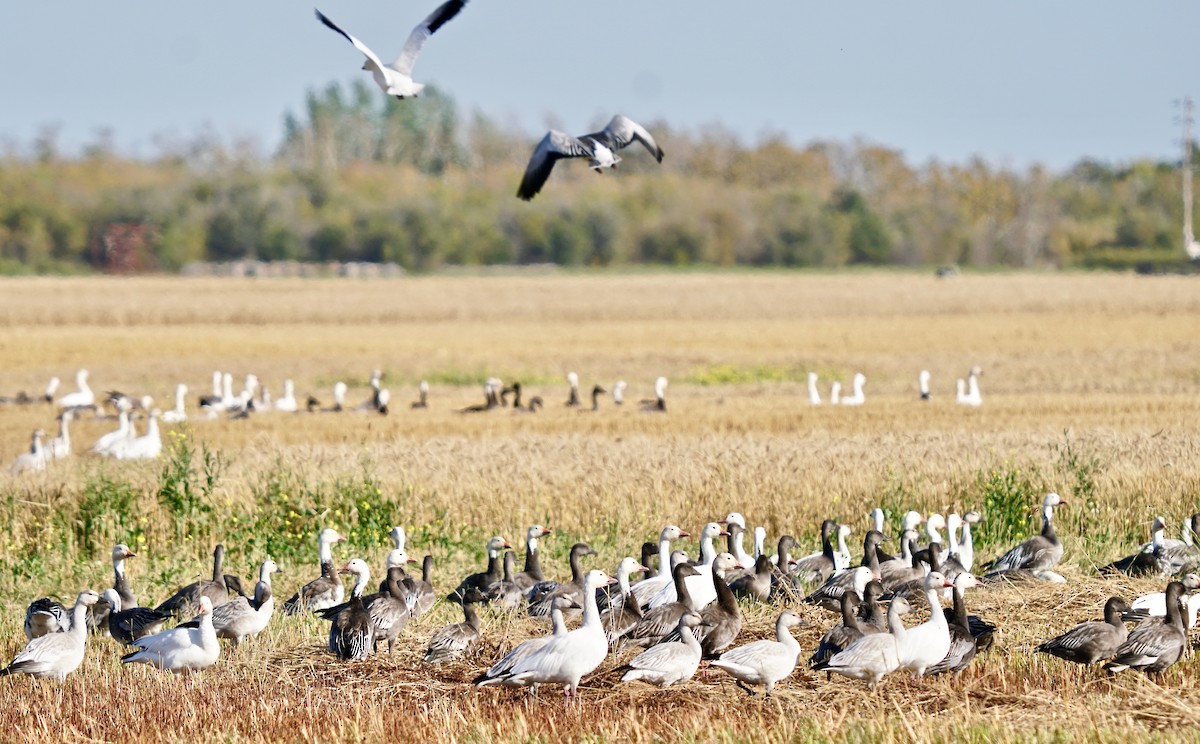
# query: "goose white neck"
760,542
934,535
707,552
664,558
591,612
78,627
360,583
324,551
952,536
784,636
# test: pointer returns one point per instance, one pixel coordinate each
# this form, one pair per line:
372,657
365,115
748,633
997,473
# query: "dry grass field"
1090,385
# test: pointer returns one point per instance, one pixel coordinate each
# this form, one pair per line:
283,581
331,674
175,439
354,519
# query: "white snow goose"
737,538
670,662
929,642
565,659
245,618
923,383
659,404
56,655
857,397
764,662
648,587
395,79
1091,642
452,641
874,655
499,673
178,414
1154,646
701,587
600,148
180,649
1155,604
82,397
1039,553
326,590
33,461
621,617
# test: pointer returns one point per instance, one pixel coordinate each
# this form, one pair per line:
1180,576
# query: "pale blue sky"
1015,81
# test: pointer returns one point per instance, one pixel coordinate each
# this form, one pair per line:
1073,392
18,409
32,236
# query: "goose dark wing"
408,56
623,131
554,145
357,44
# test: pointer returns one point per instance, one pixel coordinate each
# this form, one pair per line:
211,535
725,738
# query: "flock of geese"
662,614
125,443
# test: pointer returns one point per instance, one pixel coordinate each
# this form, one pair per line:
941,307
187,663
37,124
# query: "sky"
1015,82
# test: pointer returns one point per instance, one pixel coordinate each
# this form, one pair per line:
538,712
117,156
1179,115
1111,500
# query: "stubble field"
1090,389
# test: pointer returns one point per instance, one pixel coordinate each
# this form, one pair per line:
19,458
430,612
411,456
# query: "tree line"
361,178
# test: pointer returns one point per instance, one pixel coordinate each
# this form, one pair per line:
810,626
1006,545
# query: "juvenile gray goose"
505,593
241,617
127,624
487,577
756,585
782,583
621,617
658,622
1145,561
185,601
1154,646
870,612
452,641
816,568
1039,553
840,636
421,590
829,594
671,661
542,594
327,589
1091,642
721,621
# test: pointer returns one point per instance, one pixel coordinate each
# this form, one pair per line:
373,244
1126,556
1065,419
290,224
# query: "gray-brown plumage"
657,623
505,593
622,616
722,620
326,590
532,572
453,641
1155,646
1039,553
844,633
963,644
756,585
782,584
543,594
185,601
870,612
483,579
1091,642
815,569
351,632
421,590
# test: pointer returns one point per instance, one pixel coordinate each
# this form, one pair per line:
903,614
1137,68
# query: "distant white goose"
180,649
566,659
60,446
700,586
216,400
178,414
51,389
659,404
395,79
82,397
857,397
106,442
618,392
968,393
923,382
668,663
600,148
764,662
146,447
814,395
288,402
835,394
56,655
33,461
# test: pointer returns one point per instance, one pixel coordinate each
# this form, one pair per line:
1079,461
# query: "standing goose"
1154,646
60,446
701,586
814,395
1091,642
923,383
499,673
735,523
33,461
542,594
186,599
621,617
816,568
505,593
56,655
927,643
532,573
146,447
421,590
287,403
782,583
667,663
597,391
764,662
721,620
659,404
452,641
566,659
963,644
965,553
99,616
839,637
327,589
422,400
756,585
395,79
599,148
1039,553
240,617
648,587
127,622
573,395
180,649
874,655
933,530
618,392
657,622
486,578
351,632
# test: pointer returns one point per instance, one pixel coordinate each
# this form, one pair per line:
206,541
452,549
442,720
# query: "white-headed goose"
483,579
178,414
700,586
923,384
127,622
422,400
351,632
82,397
875,655
1039,553
56,655
648,587
618,392
814,395
963,644
659,404
600,148
180,649
241,617
621,617
764,662
532,573
927,643
327,589
573,394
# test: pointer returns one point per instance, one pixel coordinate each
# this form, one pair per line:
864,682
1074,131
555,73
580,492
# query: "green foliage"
732,374
184,490
1009,494
108,513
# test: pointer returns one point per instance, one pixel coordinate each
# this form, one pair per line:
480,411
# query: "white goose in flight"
600,148
396,79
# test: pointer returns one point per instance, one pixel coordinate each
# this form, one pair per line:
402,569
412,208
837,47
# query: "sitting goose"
657,622
647,588
422,400
874,655
764,662
505,593
127,624
659,404
45,616
1177,556
351,632
186,598
452,641
240,617
180,649
1155,604
722,620
782,583
55,655
566,659
499,673
1155,646
618,392
735,523
1145,561
701,587
816,568
963,644
839,637
483,579
927,643
542,594
532,573
621,617
326,590
1091,642
669,662
756,585
1039,553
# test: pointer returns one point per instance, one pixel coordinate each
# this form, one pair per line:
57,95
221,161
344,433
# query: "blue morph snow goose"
1039,553
600,148
326,590
395,79
1091,642
56,655
1154,645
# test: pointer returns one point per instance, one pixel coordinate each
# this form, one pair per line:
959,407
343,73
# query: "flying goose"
452,641
600,148
764,662
1154,646
56,655
1091,642
326,590
1039,553
396,79
180,649
667,663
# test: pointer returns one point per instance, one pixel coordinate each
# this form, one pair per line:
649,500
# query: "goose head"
712,531
934,525
330,536
1191,581
691,620
843,531
734,518
495,545
679,558
359,568
573,379
267,568
725,562
862,576
87,598
965,581
1051,501
399,559
595,579
81,378
911,520
110,597
628,566
872,592
972,517
121,551
581,549
873,539
564,603
877,518
788,619
935,581
899,606
534,533
205,607
423,388
671,532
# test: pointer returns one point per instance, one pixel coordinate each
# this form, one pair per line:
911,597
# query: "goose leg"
749,691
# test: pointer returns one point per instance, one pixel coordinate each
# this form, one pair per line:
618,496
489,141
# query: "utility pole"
1189,238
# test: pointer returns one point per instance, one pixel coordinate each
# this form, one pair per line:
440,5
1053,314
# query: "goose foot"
749,691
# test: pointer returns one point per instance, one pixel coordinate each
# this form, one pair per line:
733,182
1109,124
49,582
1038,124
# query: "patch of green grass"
732,374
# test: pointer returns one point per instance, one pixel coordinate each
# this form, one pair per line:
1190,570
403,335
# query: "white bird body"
106,442
180,649
835,394
814,395
288,402
56,655
874,655
178,414
668,663
82,397
60,446
1156,606
146,447
857,397
927,643
34,460
643,590
923,382
764,662
700,586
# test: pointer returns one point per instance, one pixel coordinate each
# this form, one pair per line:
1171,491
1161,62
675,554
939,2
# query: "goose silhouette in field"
600,148
395,79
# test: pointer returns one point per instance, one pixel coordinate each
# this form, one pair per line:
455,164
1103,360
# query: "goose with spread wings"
395,79
600,148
